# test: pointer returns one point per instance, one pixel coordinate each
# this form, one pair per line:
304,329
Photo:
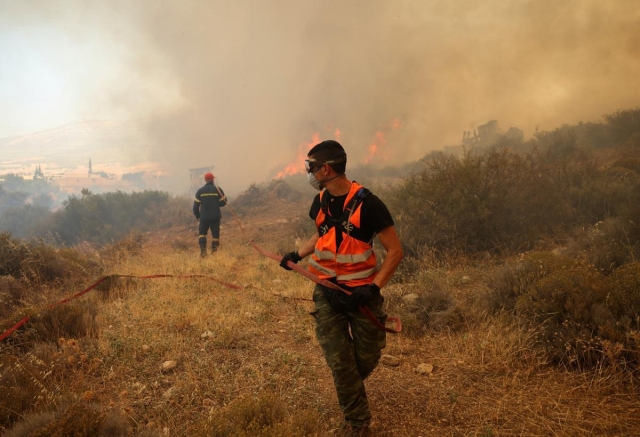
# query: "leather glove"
362,296
291,256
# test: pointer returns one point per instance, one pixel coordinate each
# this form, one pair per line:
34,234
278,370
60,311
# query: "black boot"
203,247
214,246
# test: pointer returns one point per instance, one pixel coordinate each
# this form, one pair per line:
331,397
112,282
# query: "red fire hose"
363,309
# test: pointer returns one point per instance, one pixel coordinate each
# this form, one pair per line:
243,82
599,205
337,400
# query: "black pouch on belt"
337,299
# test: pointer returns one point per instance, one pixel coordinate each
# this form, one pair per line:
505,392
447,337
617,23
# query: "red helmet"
209,177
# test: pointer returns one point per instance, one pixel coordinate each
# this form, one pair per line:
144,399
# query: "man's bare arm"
391,243
308,247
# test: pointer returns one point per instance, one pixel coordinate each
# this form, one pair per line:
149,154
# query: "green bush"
39,263
12,295
12,253
252,197
25,220
608,211
30,423
283,190
266,195
567,308
426,303
623,124
46,264
608,244
30,275
11,199
19,386
129,246
579,315
71,320
498,202
515,279
76,419
104,218
623,300
502,202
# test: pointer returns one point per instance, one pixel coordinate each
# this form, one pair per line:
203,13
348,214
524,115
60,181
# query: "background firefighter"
347,217
206,207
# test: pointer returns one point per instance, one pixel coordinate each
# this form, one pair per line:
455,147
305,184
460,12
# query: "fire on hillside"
297,166
376,150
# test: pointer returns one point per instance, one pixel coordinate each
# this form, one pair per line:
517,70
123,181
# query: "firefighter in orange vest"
206,208
347,217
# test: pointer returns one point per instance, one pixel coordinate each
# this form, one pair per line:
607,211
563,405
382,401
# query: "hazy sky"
242,84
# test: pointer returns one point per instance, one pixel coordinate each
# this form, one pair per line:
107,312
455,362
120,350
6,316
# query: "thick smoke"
247,82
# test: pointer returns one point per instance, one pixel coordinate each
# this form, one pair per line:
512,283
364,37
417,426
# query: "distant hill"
73,144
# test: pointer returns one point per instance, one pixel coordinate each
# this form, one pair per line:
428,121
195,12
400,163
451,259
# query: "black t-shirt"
374,215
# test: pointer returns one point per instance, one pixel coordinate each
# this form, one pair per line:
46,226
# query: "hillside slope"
192,356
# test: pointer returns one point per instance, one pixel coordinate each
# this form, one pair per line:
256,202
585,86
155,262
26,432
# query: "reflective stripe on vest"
353,258
321,269
349,258
358,275
323,254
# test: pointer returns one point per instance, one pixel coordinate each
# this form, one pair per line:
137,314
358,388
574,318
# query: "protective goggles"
311,164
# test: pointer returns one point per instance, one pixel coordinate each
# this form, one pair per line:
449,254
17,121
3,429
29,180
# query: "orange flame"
376,149
298,165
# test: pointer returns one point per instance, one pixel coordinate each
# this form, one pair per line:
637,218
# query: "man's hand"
198,217
291,256
362,296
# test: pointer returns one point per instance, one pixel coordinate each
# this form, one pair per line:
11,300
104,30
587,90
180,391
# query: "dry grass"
247,362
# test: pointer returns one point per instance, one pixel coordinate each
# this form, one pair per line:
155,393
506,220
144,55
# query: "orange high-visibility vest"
354,263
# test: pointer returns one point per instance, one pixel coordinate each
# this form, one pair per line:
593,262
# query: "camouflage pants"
352,346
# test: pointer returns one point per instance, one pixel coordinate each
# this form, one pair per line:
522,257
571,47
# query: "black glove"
198,217
362,296
291,256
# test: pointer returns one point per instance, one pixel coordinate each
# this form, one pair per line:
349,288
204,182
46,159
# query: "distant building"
38,173
196,176
488,133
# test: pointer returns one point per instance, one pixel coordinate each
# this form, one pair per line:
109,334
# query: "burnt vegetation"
543,235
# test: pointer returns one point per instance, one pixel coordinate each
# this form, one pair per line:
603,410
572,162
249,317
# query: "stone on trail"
390,360
410,298
424,369
169,365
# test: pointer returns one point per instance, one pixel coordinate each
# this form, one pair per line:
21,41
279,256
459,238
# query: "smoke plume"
242,84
